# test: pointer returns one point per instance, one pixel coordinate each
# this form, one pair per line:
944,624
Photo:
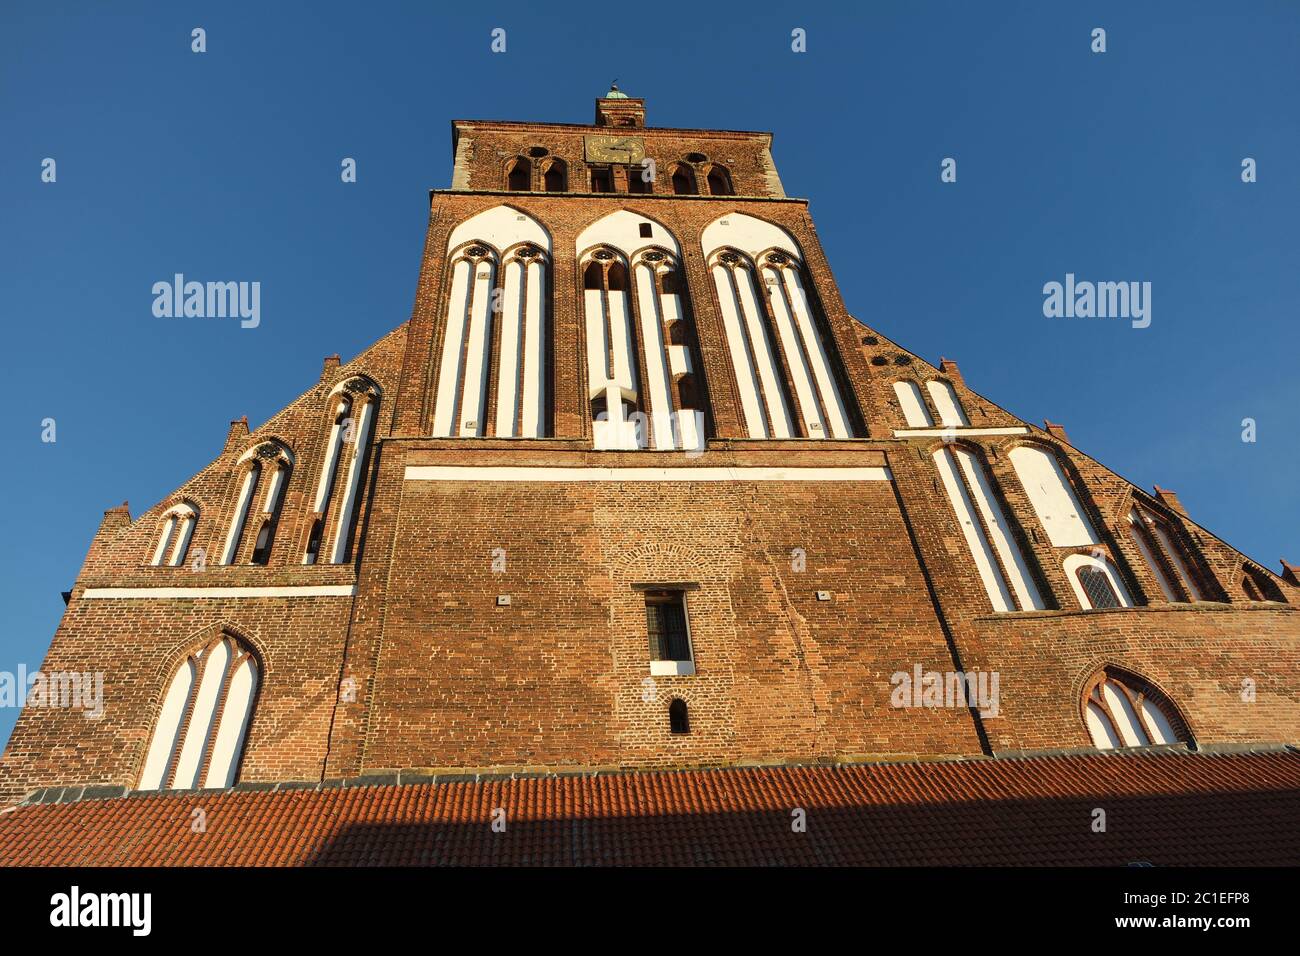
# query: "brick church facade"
632,491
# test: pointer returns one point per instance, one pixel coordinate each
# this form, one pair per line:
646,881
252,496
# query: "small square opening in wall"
823,595
503,600
669,634
645,230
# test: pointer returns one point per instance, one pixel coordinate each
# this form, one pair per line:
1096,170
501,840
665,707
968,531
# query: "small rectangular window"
670,641
602,180
645,230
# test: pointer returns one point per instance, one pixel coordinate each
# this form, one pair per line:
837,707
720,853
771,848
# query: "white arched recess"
177,530
204,719
735,245
477,250
909,399
1054,501
353,403
1074,563
997,556
270,462
616,318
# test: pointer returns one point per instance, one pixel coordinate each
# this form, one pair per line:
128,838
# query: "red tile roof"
1164,809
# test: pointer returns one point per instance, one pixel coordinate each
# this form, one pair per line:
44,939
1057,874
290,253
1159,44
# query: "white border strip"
957,430
316,590
514,473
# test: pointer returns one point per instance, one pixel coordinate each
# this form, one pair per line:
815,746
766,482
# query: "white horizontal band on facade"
542,473
310,590
956,430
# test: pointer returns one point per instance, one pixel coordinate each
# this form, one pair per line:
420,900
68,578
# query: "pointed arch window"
555,177
999,559
1096,582
683,180
199,737
945,399
915,412
519,175
1157,542
177,531
265,466
269,519
494,372
340,403
786,368
1123,710
719,180
354,404
1052,497
1258,586
640,180
638,323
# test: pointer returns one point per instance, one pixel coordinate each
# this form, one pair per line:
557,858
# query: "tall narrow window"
493,377
354,404
948,404
341,424
519,179
612,367
683,180
1122,710
679,721
174,539
784,356
669,634
999,560
1156,541
270,516
313,541
1052,497
199,737
555,179
250,473
639,180
265,466
915,412
640,337
356,454
719,181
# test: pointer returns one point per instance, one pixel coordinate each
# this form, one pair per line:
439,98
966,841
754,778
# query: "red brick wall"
446,678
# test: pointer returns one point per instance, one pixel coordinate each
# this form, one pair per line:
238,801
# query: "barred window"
665,613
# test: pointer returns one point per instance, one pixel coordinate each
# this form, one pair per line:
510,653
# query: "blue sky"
225,165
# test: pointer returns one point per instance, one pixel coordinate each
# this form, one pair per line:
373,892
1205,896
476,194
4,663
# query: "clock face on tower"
614,149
